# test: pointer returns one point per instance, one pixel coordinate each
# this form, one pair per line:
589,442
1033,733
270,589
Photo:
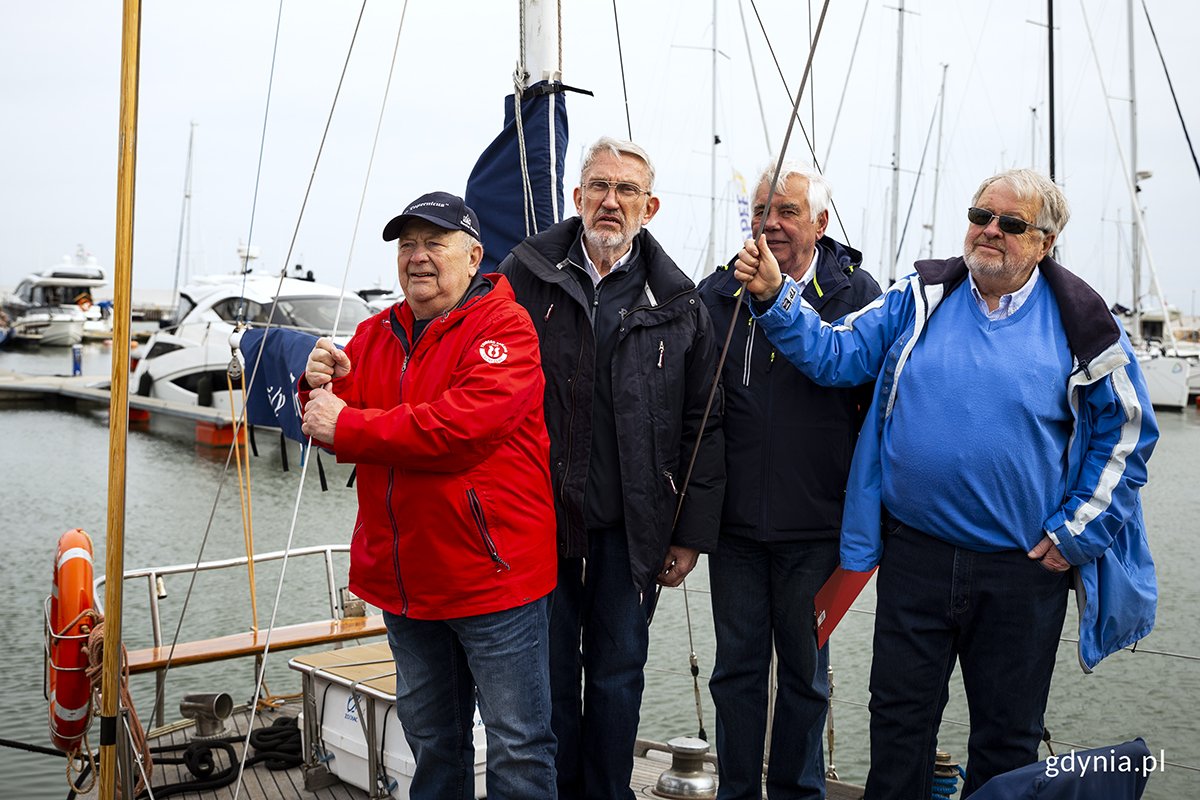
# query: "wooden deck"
260,783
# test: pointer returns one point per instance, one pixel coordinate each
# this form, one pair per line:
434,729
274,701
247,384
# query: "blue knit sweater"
996,458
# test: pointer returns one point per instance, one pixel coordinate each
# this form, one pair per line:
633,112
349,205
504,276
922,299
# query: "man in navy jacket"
787,456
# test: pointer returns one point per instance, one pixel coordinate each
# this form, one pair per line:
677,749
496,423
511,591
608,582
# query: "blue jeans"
999,615
599,637
762,593
442,667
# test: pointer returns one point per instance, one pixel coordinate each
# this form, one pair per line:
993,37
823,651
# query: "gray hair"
820,193
1028,184
618,148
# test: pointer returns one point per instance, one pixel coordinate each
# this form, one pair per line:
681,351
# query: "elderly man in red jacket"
438,400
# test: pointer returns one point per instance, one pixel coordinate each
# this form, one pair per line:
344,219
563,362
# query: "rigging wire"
262,142
621,60
916,184
796,112
161,689
520,81
1171,86
304,470
737,307
1125,173
238,423
754,76
846,85
362,200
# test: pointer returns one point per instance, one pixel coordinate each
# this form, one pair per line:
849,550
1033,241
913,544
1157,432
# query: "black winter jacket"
662,370
788,441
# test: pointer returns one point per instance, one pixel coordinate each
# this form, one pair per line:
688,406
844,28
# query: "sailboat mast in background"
893,251
1135,252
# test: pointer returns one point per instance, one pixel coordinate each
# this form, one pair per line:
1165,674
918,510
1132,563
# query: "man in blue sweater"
1000,462
786,460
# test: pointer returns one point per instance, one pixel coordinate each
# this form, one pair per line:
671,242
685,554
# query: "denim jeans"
442,668
599,637
999,615
762,594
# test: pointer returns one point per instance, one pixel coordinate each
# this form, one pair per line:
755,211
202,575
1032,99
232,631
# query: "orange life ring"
83,301
72,612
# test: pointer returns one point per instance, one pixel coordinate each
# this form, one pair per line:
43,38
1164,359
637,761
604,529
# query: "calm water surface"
54,478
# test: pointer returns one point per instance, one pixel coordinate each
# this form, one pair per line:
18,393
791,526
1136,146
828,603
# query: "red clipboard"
834,599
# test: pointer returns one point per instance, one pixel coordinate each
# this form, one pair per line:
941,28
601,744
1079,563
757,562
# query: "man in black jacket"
629,356
789,451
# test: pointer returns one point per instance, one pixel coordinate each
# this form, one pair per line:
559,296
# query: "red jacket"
456,516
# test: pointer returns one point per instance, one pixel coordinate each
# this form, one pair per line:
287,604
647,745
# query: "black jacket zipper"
396,544
481,523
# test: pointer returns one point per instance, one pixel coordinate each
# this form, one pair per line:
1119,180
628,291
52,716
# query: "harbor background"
55,479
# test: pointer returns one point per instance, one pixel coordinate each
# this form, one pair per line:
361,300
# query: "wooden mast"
118,408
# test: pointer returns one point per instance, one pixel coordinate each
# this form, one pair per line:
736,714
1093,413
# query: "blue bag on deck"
1117,772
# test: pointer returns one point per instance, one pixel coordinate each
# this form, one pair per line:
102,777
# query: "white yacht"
187,361
53,307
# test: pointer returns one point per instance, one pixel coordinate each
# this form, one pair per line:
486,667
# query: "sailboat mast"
893,254
937,167
712,157
118,408
184,212
1135,253
1050,34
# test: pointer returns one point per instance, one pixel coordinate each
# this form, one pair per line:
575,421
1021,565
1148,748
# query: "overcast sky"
209,62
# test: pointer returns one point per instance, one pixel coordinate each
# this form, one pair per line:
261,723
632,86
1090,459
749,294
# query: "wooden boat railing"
339,627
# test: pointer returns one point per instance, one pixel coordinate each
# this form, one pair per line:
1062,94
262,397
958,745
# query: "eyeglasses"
1014,225
598,190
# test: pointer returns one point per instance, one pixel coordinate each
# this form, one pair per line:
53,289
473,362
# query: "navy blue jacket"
788,441
662,367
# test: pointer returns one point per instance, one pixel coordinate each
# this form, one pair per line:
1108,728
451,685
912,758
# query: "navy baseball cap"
440,208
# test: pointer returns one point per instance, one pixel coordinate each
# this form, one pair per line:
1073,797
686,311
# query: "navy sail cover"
497,188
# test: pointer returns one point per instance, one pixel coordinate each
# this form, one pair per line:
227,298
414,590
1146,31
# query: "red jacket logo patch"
493,352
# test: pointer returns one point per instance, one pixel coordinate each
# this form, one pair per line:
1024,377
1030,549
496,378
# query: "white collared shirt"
809,273
1009,303
590,268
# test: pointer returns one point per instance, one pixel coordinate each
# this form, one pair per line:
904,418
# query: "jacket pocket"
489,544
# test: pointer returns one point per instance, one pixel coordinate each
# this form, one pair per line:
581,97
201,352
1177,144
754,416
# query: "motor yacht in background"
55,306
187,361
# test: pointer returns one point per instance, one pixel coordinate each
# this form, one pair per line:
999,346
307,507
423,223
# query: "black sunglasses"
1013,225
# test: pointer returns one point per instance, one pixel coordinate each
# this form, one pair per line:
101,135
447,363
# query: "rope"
243,486
75,780
519,74
135,731
278,746
947,784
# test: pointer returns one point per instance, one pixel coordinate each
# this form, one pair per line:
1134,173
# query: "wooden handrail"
250,643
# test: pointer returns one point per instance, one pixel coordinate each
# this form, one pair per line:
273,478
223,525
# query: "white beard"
609,241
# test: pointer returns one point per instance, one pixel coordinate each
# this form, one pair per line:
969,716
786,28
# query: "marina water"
54,478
